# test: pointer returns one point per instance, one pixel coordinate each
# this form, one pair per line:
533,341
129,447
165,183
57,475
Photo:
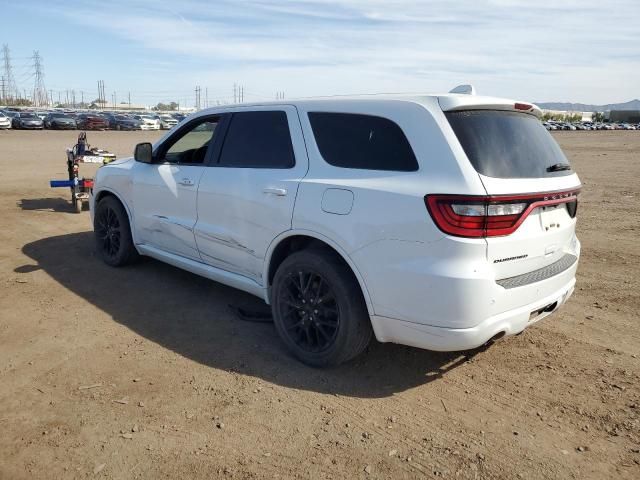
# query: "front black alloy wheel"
113,234
108,232
318,308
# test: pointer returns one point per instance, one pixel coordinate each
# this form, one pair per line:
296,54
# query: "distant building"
624,116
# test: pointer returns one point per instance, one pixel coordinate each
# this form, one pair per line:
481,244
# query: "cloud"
506,47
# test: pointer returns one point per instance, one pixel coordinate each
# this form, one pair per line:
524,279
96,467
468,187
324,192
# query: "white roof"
447,101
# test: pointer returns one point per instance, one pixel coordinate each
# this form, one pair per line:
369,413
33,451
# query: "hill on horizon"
584,107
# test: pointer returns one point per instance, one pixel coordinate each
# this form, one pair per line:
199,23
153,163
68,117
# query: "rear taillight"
491,216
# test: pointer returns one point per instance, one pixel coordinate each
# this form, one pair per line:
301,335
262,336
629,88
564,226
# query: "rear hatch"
532,190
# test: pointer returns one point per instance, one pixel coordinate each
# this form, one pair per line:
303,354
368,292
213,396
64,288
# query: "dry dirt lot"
144,372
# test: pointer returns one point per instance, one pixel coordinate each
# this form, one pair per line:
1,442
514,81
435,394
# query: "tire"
113,233
318,308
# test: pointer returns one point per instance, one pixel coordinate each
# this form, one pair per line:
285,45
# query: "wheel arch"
294,240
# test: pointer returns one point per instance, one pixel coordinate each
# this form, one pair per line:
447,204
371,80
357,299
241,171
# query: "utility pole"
206,97
198,97
235,98
129,98
4,92
51,97
82,98
102,98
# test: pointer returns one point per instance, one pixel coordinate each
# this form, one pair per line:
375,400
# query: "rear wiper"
558,167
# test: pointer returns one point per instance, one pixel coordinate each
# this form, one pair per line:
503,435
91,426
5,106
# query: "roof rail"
465,89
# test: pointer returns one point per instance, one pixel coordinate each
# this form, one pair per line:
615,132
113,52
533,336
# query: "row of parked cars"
553,125
71,120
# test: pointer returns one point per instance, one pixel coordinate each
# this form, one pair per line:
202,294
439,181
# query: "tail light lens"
491,216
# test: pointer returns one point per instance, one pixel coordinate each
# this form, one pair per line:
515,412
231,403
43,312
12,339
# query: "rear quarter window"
362,141
505,144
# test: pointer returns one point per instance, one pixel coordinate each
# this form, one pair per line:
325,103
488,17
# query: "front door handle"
281,192
186,182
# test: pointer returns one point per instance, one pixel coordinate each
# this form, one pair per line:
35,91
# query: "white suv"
437,221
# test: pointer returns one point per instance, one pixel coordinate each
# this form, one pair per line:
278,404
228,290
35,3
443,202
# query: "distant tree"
598,117
22,102
166,106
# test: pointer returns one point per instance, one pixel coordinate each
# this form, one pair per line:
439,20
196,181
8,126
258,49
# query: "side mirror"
143,153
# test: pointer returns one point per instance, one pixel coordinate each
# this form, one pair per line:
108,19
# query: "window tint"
258,140
362,141
191,146
507,144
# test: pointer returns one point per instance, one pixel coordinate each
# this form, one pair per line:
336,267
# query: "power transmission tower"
198,98
11,91
40,97
4,91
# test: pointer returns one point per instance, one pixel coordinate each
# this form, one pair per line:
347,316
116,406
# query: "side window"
362,141
258,140
191,146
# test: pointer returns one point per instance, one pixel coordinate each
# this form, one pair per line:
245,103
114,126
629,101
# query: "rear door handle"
186,181
281,192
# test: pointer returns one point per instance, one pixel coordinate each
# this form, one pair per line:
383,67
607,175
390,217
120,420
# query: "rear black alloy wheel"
108,232
318,308
308,308
113,234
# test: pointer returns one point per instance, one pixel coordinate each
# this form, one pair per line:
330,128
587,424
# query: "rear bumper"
451,339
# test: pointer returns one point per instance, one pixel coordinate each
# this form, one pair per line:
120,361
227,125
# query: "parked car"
41,115
440,222
59,121
90,121
167,122
122,122
147,122
27,120
5,122
178,116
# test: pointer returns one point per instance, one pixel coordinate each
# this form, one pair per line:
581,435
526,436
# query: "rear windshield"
508,144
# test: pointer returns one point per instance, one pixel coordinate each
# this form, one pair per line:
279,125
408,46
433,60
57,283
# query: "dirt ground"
144,372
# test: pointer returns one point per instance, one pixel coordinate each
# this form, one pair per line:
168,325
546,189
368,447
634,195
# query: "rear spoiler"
453,102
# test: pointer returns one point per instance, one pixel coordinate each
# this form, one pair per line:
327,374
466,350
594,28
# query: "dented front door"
164,198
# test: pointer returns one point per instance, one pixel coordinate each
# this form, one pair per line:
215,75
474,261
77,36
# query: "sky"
160,50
